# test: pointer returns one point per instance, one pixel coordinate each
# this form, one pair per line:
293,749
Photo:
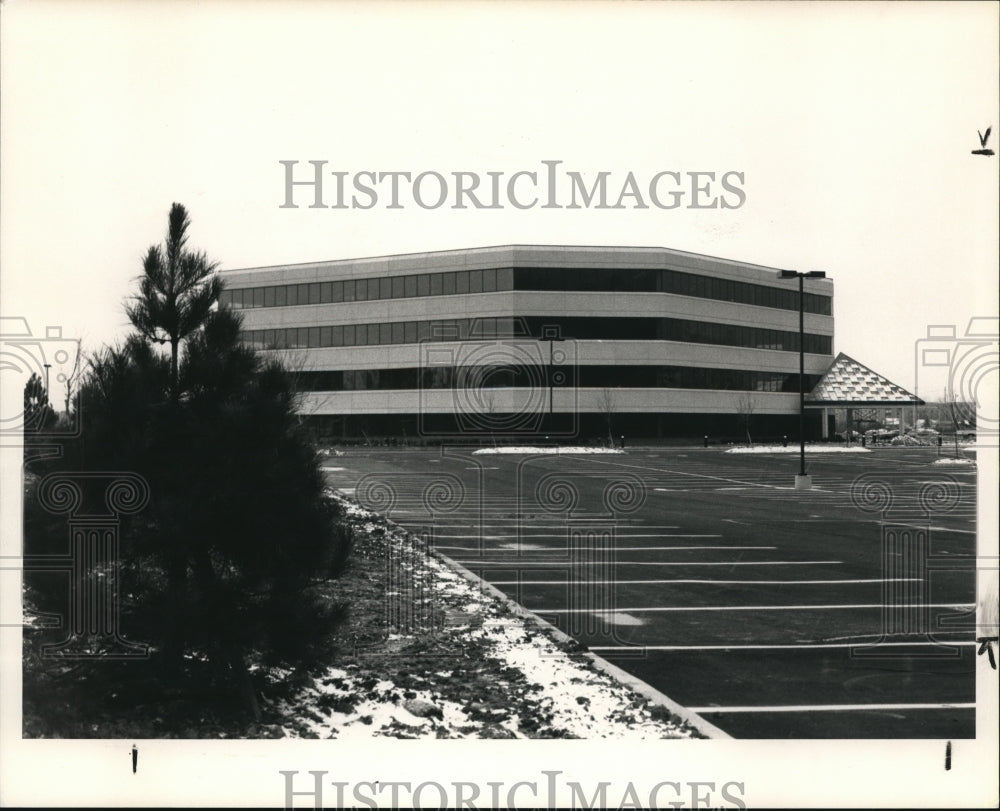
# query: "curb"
706,728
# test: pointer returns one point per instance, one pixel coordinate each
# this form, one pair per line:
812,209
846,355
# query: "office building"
538,341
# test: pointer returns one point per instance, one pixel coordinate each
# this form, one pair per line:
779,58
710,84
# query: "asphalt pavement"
839,612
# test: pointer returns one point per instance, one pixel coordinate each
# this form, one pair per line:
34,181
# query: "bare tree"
73,378
296,366
490,403
607,404
746,405
958,412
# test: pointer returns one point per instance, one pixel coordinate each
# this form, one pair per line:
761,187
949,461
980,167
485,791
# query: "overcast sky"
851,124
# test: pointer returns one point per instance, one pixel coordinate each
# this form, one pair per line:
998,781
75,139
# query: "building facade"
540,341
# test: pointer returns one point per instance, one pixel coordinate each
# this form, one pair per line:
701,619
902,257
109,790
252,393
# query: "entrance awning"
850,384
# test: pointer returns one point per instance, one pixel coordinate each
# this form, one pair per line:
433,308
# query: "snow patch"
618,618
525,449
795,449
568,696
579,701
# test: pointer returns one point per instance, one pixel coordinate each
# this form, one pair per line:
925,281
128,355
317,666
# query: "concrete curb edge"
706,728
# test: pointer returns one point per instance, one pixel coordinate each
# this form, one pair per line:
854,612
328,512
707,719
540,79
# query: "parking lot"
844,611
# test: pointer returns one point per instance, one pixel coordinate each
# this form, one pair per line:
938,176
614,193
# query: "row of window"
384,287
494,279
669,281
536,327
541,376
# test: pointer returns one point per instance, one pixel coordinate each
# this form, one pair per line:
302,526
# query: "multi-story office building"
535,340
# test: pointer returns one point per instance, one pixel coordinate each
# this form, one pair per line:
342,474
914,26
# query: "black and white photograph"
499,405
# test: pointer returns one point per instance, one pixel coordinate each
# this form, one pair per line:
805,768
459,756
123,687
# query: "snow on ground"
549,693
524,449
953,461
795,449
351,509
580,701
344,705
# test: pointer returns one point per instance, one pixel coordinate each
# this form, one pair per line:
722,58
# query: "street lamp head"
794,274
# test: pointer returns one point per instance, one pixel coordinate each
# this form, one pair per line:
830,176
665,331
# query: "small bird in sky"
982,142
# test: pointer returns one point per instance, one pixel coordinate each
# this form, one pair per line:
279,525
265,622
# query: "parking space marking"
661,563
819,607
692,581
685,473
557,522
837,708
537,548
499,519
507,535
797,646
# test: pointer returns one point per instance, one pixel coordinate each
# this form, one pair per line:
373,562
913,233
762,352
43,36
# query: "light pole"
550,335
47,367
802,481
551,340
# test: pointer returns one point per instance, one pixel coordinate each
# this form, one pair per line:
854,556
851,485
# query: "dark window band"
537,377
669,281
506,279
540,327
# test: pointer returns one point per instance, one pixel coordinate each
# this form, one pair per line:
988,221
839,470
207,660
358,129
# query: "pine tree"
176,292
227,559
37,414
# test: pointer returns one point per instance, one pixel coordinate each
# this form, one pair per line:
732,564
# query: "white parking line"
536,548
691,581
659,609
799,646
506,535
475,561
692,475
836,708
558,522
